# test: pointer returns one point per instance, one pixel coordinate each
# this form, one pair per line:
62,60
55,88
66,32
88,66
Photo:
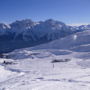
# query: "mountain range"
27,33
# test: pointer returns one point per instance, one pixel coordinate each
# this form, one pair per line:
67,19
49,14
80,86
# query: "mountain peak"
21,25
51,21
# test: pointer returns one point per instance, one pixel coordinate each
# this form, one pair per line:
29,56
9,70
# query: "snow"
32,68
69,42
5,74
38,73
75,37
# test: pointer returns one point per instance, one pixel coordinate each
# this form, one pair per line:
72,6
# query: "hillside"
76,42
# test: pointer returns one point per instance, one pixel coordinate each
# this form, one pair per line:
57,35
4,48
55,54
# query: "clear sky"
68,11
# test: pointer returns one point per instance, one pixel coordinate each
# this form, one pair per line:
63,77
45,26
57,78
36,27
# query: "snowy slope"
35,71
77,42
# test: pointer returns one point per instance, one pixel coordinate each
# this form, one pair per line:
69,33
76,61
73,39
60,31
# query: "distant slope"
77,42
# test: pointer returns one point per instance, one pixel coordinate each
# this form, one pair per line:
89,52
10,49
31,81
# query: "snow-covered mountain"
36,30
62,64
26,33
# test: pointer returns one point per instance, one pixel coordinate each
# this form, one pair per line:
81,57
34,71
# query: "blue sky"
68,11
